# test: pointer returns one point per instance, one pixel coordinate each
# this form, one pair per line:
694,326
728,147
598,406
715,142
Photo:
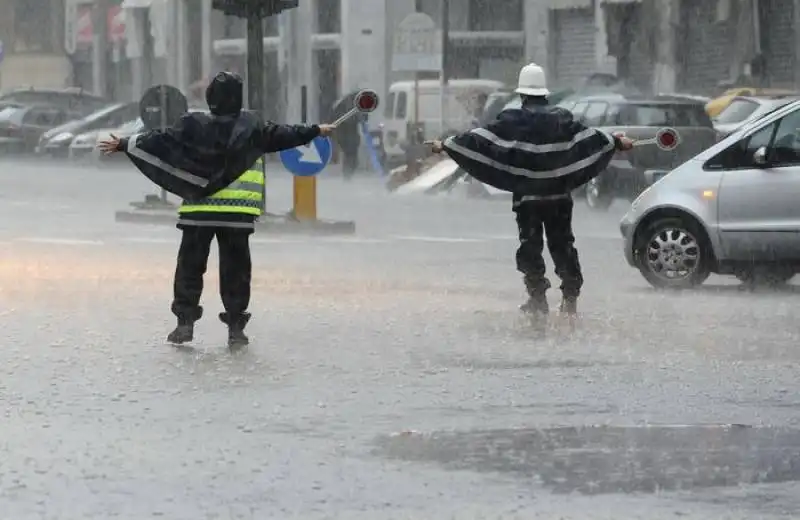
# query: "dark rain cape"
541,151
200,155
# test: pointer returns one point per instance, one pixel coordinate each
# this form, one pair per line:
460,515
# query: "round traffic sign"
366,101
668,139
162,106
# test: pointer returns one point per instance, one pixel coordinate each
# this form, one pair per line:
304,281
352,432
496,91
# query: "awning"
569,4
136,4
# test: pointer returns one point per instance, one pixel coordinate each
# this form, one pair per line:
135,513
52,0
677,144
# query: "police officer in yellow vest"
229,215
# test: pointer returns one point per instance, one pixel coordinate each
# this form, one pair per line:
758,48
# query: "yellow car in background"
718,104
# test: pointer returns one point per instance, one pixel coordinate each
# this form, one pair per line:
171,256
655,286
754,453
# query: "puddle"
597,460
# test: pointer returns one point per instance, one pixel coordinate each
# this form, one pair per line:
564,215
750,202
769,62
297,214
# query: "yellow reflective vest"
244,196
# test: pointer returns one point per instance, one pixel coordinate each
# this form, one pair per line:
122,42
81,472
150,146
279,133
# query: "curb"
271,225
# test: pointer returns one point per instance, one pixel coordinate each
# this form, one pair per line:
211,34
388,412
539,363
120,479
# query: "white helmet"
532,81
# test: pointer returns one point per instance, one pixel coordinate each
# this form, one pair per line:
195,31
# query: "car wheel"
598,197
765,276
674,254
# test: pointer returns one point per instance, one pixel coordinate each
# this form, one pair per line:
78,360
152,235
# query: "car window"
402,106
782,138
662,114
42,117
785,149
737,111
389,108
595,114
579,109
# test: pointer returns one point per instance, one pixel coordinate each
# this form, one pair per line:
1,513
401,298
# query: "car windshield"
8,111
737,111
132,126
94,116
493,107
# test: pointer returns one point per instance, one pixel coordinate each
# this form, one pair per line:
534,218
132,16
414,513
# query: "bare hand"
436,146
626,143
326,130
109,146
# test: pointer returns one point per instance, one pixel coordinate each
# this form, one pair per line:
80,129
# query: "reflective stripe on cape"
536,153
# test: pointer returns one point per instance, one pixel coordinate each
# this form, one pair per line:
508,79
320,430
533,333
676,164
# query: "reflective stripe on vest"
244,195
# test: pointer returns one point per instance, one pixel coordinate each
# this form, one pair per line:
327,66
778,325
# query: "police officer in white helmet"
540,154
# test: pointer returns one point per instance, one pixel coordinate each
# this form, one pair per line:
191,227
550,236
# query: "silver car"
733,209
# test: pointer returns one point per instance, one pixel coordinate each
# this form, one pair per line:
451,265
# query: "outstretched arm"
275,138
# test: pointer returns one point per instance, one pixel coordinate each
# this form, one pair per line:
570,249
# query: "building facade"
31,33
336,46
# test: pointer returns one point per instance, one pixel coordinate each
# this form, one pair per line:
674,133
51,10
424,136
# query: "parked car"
21,126
130,128
56,142
718,104
641,118
747,108
74,100
733,209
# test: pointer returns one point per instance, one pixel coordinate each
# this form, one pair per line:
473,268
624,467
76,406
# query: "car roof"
633,100
51,91
774,99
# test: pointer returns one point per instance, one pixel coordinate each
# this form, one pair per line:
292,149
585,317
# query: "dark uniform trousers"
235,272
552,218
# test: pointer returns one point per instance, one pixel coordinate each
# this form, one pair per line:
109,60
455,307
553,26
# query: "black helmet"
225,94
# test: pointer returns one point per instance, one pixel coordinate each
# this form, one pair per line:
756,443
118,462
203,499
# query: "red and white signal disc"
668,139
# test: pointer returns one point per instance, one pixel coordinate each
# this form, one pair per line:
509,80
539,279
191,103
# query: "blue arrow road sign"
308,160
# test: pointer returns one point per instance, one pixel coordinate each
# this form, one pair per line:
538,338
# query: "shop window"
329,16
491,15
32,27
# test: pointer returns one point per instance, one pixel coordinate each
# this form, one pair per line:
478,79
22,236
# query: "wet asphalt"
390,375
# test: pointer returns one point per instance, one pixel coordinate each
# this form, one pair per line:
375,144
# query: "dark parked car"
55,142
641,118
22,125
70,99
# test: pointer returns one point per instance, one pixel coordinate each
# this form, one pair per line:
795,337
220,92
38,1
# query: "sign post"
304,192
417,48
306,162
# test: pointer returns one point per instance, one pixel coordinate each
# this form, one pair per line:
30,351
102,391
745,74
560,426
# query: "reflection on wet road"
607,459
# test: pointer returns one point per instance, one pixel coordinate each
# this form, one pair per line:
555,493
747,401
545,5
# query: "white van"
462,103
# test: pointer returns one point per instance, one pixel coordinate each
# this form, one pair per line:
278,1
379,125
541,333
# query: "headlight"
63,136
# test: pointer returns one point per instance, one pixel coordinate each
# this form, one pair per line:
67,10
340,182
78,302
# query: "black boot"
536,305
183,333
569,306
236,336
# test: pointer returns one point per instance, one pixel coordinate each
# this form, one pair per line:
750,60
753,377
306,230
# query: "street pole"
255,79
255,63
100,47
417,9
443,72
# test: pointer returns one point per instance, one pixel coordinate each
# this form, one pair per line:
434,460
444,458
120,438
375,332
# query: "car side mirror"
760,156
